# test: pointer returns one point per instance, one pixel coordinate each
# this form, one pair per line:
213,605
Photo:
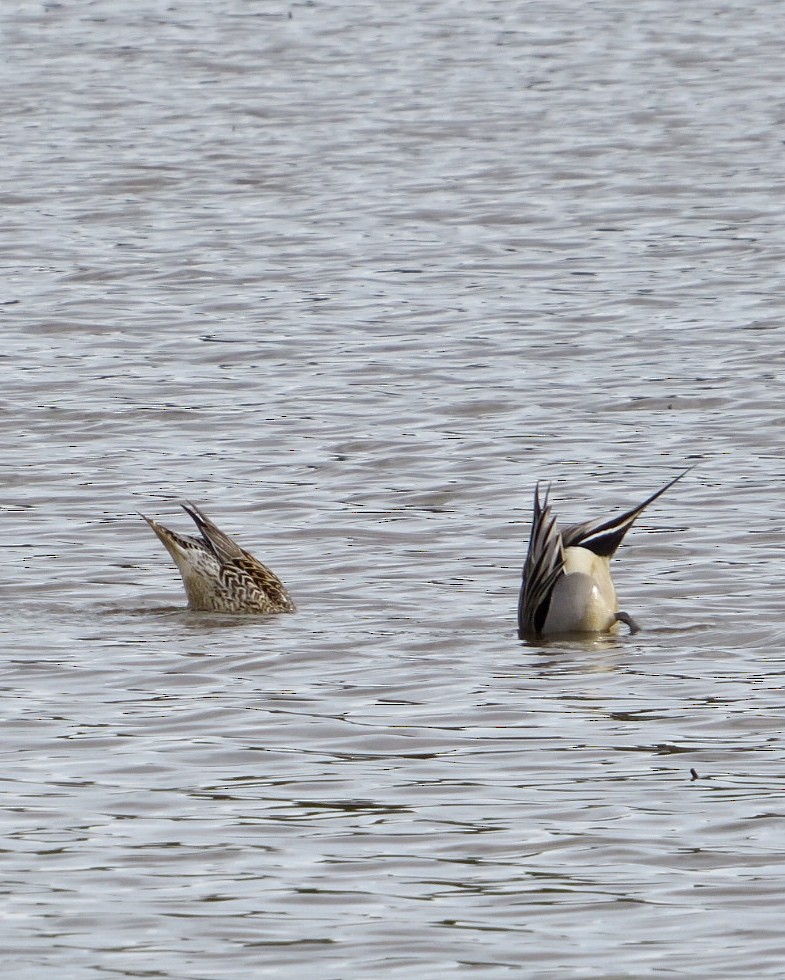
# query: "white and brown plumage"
567,585
219,575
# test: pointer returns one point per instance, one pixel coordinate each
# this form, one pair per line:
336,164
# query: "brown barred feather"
219,575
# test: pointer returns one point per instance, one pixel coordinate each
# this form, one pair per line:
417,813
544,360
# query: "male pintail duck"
567,585
219,575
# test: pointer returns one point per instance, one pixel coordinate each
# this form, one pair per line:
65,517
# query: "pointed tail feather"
171,540
603,537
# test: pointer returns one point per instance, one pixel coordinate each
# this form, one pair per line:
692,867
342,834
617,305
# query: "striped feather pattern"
543,566
219,575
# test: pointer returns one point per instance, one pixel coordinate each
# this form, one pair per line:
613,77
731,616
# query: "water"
353,277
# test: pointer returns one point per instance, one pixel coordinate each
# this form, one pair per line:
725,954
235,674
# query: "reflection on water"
357,282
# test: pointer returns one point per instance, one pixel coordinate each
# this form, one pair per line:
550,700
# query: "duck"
567,585
218,575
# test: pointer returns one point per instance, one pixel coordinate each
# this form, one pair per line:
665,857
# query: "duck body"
219,575
567,585
584,596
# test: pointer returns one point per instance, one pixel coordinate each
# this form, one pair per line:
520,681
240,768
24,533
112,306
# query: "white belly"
584,598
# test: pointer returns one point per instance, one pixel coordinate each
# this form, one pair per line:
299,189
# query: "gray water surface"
353,277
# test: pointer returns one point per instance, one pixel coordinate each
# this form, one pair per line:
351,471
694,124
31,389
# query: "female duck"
567,585
219,575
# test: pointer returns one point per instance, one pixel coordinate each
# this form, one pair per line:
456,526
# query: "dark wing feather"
221,545
542,568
